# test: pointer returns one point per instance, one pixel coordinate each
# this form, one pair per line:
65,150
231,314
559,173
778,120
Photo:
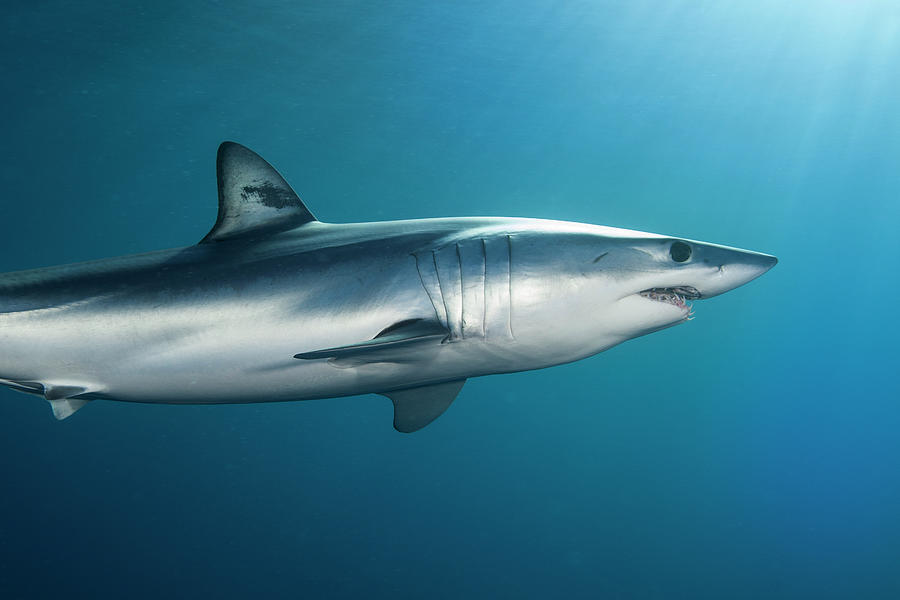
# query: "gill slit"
509,279
437,274
425,287
484,290
462,296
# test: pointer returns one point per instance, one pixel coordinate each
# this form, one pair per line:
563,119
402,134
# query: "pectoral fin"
392,344
414,408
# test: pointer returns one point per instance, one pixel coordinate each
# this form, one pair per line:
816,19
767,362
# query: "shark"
276,305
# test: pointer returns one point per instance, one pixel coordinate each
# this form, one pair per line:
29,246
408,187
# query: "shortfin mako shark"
275,305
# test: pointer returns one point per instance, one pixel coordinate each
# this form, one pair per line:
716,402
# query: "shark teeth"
676,296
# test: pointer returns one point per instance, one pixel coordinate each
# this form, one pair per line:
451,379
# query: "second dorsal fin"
253,198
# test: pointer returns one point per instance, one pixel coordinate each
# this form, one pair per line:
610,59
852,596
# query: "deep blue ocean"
751,453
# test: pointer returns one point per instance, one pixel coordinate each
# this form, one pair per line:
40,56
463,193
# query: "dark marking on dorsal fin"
254,199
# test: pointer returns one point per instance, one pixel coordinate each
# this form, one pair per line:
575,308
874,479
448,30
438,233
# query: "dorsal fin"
253,197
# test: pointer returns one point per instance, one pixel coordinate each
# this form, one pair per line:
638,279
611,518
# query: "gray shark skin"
274,305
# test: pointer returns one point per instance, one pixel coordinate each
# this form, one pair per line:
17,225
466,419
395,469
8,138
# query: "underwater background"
751,453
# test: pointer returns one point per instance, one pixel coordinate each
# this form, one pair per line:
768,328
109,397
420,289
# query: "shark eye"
680,252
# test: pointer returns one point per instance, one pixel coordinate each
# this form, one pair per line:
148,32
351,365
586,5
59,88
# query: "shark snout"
732,268
766,262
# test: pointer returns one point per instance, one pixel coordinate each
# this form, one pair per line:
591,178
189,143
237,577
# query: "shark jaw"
676,296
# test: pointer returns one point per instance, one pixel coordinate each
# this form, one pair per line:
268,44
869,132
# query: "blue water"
751,453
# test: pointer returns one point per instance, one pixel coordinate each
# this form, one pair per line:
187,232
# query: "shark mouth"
676,296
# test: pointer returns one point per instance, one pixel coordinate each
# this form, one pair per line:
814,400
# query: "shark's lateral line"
276,305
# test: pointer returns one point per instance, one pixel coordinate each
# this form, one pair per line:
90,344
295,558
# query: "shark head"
655,280
592,289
